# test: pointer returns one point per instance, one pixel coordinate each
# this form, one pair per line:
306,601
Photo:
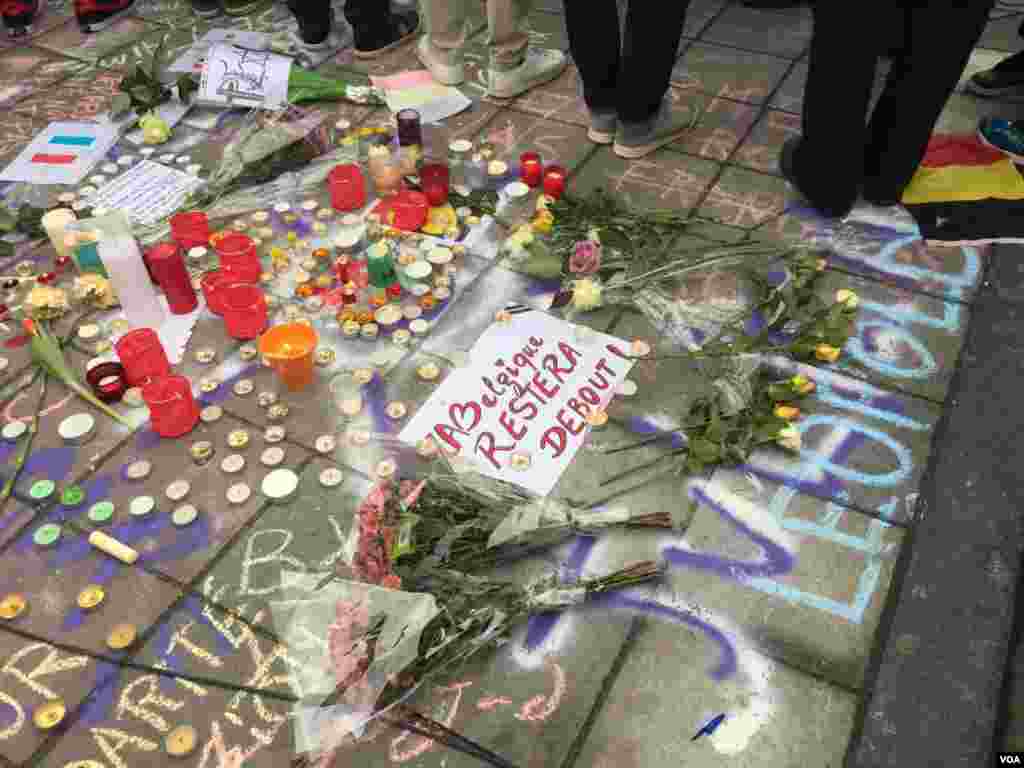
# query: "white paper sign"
147,192
526,392
239,77
192,60
62,154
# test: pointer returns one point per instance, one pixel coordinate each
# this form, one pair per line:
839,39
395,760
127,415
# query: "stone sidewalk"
779,583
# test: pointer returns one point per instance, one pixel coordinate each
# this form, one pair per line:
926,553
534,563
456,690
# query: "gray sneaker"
539,66
602,127
635,140
447,68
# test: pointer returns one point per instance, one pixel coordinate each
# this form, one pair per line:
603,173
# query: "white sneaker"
446,68
539,66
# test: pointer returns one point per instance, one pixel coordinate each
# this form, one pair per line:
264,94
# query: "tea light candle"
419,327
496,170
440,256
55,223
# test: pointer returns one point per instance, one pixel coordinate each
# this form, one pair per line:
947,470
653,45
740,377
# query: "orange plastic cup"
289,350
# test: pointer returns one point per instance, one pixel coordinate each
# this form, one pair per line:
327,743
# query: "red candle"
191,229
238,257
394,291
245,311
348,294
531,169
347,187
212,283
108,381
142,356
173,410
341,268
554,181
169,270
434,179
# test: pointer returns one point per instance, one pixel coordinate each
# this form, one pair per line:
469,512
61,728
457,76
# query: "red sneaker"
18,16
94,15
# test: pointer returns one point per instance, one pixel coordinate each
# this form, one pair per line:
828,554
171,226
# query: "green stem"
26,449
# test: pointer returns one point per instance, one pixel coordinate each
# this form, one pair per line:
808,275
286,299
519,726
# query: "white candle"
55,223
123,261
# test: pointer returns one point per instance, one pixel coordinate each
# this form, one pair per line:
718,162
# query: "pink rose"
391,582
586,258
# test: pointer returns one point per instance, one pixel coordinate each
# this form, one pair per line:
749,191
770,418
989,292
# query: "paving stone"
131,716
184,552
657,705
790,96
50,16
744,199
82,97
51,578
512,133
69,40
663,180
468,124
558,100
35,673
761,149
723,125
699,14
729,73
25,71
756,30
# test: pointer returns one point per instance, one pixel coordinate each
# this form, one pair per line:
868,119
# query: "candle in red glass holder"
245,311
348,294
434,180
142,356
531,169
211,284
341,268
394,291
168,267
347,187
173,410
554,181
191,229
108,381
238,257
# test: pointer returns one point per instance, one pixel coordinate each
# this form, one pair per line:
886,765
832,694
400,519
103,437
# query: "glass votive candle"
410,132
283,216
245,311
108,381
142,356
173,410
55,223
190,229
514,204
168,267
531,170
238,257
385,170
497,173
434,179
474,172
554,181
212,285
289,349
347,187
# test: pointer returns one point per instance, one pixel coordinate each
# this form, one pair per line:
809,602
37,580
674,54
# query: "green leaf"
613,238
120,104
705,450
186,88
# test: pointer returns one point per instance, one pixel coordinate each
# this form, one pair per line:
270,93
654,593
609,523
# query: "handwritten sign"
239,77
518,411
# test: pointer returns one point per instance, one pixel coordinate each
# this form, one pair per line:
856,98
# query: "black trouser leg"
940,39
831,160
314,18
594,42
371,22
632,84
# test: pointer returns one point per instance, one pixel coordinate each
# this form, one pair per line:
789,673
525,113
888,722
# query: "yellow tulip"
787,412
789,438
826,353
847,298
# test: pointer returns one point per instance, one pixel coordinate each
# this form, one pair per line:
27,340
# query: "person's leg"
440,49
595,44
314,19
376,30
515,68
940,39
826,163
647,120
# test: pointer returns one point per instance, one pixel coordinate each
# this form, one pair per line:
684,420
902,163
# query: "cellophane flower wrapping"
349,639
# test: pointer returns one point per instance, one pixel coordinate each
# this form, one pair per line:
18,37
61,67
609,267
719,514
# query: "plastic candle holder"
142,356
212,284
190,229
409,131
173,410
238,257
245,310
108,381
434,179
55,223
289,350
531,169
554,181
347,187
167,266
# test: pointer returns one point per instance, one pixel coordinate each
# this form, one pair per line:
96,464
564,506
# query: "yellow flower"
586,294
543,202
543,223
46,303
155,129
847,298
826,353
789,438
787,412
94,289
820,264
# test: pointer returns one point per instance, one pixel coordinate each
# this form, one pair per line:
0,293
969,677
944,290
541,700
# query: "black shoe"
95,15
774,4
1005,78
787,167
18,16
206,9
401,29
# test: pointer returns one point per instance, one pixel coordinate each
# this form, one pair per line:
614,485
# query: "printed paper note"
238,77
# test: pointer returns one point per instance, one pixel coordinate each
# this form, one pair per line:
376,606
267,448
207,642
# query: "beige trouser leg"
506,24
